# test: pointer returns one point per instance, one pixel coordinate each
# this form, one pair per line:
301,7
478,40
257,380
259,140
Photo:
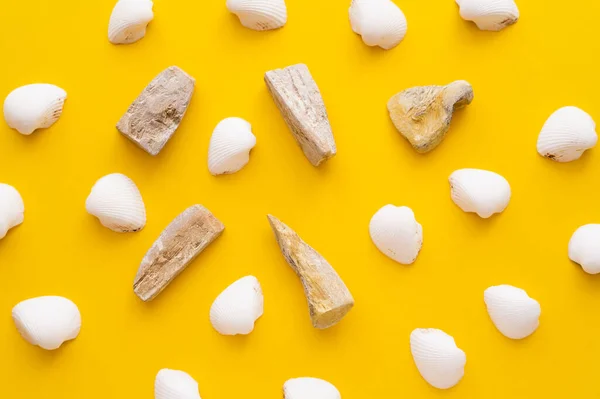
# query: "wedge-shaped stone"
328,297
299,100
154,116
178,245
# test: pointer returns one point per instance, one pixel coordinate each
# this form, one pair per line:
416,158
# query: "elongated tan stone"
178,245
154,116
328,297
299,100
423,114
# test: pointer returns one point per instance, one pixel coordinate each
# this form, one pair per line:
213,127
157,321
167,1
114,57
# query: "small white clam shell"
129,20
34,106
237,308
491,15
438,359
512,311
11,209
175,384
567,133
379,22
259,14
309,388
47,321
395,232
584,248
479,191
230,145
116,201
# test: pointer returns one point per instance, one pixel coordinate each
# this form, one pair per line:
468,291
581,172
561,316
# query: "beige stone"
178,245
154,116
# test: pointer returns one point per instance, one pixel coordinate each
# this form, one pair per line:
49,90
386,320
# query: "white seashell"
237,308
259,14
230,146
309,388
512,311
34,106
117,202
395,232
584,248
47,321
11,208
440,362
128,21
479,191
567,133
175,384
379,22
491,15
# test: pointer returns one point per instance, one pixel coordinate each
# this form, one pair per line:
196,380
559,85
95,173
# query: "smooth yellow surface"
520,76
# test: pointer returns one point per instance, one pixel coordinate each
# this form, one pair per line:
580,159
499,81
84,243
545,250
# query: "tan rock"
154,116
423,114
299,100
178,245
328,297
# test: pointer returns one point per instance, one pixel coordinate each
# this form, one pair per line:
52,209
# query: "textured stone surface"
155,115
423,114
328,297
299,100
178,245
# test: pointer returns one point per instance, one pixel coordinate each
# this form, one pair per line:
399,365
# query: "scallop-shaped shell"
309,388
379,22
116,201
512,311
584,248
567,133
129,20
230,146
34,106
491,15
47,321
236,309
259,14
395,232
11,209
479,191
175,384
440,362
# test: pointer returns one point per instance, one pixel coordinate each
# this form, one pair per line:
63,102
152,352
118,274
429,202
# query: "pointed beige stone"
154,116
328,297
423,114
299,100
178,245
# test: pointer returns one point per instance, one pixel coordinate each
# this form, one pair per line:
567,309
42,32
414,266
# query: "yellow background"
520,76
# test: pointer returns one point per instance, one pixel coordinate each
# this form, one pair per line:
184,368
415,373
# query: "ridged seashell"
567,133
230,146
237,308
512,311
128,21
395,232
584,248
11,208
491,15
47,321
440,362
479,191
116,201
259,14
309,388
175,384
34,106
379,22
